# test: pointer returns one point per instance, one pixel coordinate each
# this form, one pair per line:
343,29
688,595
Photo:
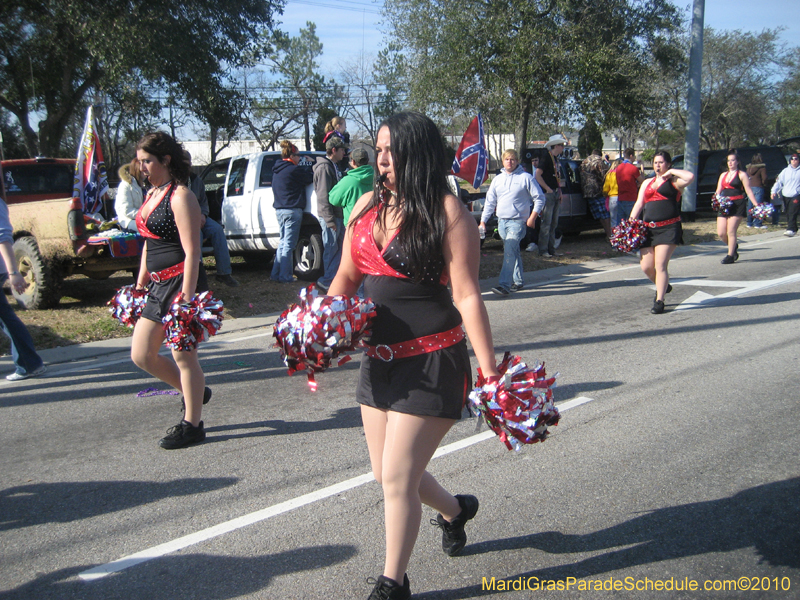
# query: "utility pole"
692,149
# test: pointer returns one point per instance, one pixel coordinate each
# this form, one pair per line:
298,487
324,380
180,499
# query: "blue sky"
345,27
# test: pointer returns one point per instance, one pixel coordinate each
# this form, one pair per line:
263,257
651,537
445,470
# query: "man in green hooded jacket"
355,183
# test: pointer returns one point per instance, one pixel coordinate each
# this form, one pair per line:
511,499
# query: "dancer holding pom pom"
406,241
659,202
169,219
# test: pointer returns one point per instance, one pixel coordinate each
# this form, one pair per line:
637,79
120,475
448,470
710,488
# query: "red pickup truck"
53,239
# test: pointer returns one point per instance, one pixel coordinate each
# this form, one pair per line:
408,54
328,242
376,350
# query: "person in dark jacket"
289,183
331,218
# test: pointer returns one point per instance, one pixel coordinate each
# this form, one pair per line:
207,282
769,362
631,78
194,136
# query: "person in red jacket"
628,179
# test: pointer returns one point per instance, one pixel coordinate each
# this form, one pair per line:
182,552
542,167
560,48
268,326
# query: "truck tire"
308,256
43,280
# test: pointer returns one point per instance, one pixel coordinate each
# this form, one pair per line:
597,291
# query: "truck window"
265,176
236,178
53,179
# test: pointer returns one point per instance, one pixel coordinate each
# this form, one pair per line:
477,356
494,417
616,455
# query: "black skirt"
160,298
433,385
660,236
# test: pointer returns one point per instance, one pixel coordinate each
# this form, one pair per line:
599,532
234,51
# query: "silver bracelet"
10,273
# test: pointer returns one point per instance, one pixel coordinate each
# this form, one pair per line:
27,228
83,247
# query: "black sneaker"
181,435
453,536
658,307
736,252
515,288
728,260
389,589
206,398
500,291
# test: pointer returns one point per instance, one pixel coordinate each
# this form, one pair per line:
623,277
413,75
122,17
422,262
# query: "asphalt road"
675,462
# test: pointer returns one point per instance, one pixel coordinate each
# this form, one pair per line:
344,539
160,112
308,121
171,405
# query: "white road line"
278,509
699,299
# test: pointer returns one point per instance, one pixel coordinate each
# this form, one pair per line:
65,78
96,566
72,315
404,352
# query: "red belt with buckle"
662,223
423,345
167,273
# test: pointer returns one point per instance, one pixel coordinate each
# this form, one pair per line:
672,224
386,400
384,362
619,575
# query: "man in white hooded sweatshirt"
511,195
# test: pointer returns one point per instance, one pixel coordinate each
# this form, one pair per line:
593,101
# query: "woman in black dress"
659,203
169,220
406,241
733,184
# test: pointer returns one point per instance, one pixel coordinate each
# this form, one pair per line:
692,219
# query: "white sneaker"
532,248
788,233
19,376
763,227
749,226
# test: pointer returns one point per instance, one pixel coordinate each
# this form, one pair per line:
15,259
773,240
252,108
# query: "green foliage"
53,54
589,138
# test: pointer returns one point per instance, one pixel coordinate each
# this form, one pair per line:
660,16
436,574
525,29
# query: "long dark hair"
420,165
160,145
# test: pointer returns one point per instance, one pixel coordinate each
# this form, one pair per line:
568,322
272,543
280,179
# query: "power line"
370,10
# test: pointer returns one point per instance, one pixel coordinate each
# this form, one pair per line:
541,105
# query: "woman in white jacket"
129,195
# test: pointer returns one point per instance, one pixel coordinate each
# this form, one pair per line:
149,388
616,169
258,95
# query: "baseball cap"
334,142
359,157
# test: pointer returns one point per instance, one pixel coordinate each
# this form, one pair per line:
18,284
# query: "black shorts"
160,297
435,384
739,209
660,236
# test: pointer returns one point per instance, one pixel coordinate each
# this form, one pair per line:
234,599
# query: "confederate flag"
472,160
90,171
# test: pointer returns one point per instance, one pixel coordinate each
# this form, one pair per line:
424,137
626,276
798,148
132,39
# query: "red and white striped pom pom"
127,304
629,235
519,406
319,329
190,323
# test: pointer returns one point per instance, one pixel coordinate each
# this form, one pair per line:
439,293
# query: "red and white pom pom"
721,205
762,212
319,329
629,235
127,304
190,323
519,407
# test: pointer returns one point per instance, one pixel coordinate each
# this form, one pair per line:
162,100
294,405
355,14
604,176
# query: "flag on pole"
472,160
90,184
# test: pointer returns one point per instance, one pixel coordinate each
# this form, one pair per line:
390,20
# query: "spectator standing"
593,174
548,178
733,184
787,191
331,219
289,181
28,363
337,127
611,191
359,180
628,179
511,195
212,230
757,172
130,195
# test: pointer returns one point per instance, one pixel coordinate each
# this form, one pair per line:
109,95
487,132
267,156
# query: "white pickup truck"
239,192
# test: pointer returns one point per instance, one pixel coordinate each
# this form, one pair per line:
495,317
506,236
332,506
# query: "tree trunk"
521,126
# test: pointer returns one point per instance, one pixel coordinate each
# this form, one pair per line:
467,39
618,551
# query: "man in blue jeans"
511,195
331,218
28,363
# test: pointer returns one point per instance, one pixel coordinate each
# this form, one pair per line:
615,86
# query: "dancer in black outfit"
406,241
733,184
169,219
659,202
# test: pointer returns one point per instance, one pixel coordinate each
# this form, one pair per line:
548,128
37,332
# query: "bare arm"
640,199
745,179
348,277
462,258
540,181
680,177
719,184
16,280
187,218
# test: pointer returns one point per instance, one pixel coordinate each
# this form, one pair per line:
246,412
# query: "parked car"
239,192
35,179
712,163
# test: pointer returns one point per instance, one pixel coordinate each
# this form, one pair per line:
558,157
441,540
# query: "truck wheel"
43,280
308,256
